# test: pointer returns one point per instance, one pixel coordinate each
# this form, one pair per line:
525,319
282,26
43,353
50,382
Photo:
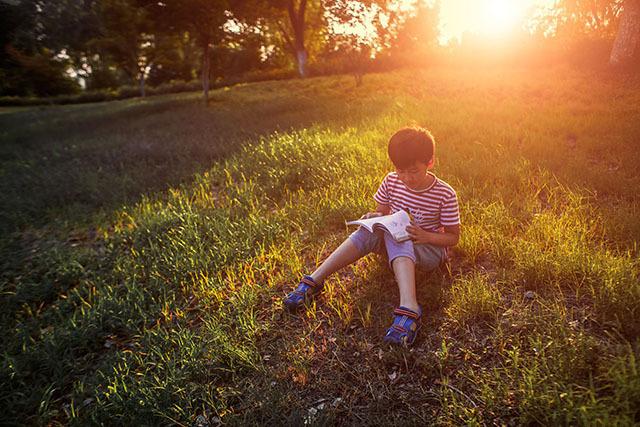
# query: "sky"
487,17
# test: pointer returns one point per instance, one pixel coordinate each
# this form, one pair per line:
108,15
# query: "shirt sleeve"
450,213
382,195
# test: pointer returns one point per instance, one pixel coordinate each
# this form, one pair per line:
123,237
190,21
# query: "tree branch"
287,39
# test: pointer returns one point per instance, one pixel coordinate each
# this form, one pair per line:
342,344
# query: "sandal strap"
309,282
405,326
404,312
399,328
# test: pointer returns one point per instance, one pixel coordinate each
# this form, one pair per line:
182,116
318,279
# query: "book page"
394,224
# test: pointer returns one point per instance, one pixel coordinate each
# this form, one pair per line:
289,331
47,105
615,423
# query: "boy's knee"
365,241
403,260
399,250
430,257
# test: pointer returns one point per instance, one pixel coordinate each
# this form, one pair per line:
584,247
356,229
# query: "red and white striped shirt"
431,208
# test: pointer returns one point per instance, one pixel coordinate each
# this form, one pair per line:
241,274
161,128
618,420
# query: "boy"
433,205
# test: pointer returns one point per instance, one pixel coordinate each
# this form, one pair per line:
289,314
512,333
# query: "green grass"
146,246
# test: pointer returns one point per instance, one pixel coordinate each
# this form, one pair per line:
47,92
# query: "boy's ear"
430,164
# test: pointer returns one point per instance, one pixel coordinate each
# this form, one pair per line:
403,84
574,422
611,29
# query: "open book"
394,224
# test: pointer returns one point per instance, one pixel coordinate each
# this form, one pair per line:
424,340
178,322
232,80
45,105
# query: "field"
146,246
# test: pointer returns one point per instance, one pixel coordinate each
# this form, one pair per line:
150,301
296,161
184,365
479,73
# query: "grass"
147,244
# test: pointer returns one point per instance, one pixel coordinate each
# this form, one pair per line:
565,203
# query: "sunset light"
319,212
489,19
499,16
495,18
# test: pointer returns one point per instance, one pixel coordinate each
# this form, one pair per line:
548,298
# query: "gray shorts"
425,256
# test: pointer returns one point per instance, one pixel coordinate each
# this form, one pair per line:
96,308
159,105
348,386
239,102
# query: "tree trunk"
627,42
141,84
296,17
301,57
206,66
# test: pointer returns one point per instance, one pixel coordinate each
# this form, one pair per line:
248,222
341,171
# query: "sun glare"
499,16
494,18
485,18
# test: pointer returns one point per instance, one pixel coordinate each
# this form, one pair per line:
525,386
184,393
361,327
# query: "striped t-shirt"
431,208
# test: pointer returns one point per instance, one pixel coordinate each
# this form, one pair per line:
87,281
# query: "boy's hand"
417,234
370,215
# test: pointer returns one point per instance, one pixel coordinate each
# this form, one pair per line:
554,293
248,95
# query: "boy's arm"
380,211
450,236
383,209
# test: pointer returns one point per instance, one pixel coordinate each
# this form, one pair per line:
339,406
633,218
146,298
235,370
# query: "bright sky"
487,17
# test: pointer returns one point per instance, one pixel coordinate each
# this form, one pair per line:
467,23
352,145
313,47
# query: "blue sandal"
405,326
306,290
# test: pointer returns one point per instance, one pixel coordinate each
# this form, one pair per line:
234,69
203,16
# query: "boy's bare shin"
344,255
404,270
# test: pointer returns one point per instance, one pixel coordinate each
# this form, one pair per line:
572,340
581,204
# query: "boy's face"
414,176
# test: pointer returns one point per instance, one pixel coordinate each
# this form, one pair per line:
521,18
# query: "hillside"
147,244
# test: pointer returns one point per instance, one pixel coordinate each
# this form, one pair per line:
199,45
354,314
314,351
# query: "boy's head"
411,151
411,145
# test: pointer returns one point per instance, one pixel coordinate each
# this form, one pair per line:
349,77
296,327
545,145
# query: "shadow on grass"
66,169
69,163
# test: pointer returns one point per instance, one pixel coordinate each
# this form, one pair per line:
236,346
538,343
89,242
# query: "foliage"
39,74
125,92
297,27
416,37
41,40
179,55
571,19
105,44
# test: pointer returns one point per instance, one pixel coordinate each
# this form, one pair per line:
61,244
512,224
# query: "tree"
606,20
576,18
355,33
127,37
203,19
362,30
295,40
180,59
300,23
415,36
243,49
627,43
31,62
39,74
62,28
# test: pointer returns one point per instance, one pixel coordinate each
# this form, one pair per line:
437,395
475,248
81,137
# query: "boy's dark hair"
409,145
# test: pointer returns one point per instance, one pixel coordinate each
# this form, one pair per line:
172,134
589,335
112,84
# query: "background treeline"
92,50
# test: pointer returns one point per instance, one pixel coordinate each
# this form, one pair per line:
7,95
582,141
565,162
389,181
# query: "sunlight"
494,18
359,28
500,16
486,18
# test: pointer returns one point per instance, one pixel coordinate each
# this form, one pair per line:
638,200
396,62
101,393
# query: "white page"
395,224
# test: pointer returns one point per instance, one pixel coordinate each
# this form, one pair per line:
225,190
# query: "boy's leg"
344,255
360,243
406,321
405,271
402,259
427,257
